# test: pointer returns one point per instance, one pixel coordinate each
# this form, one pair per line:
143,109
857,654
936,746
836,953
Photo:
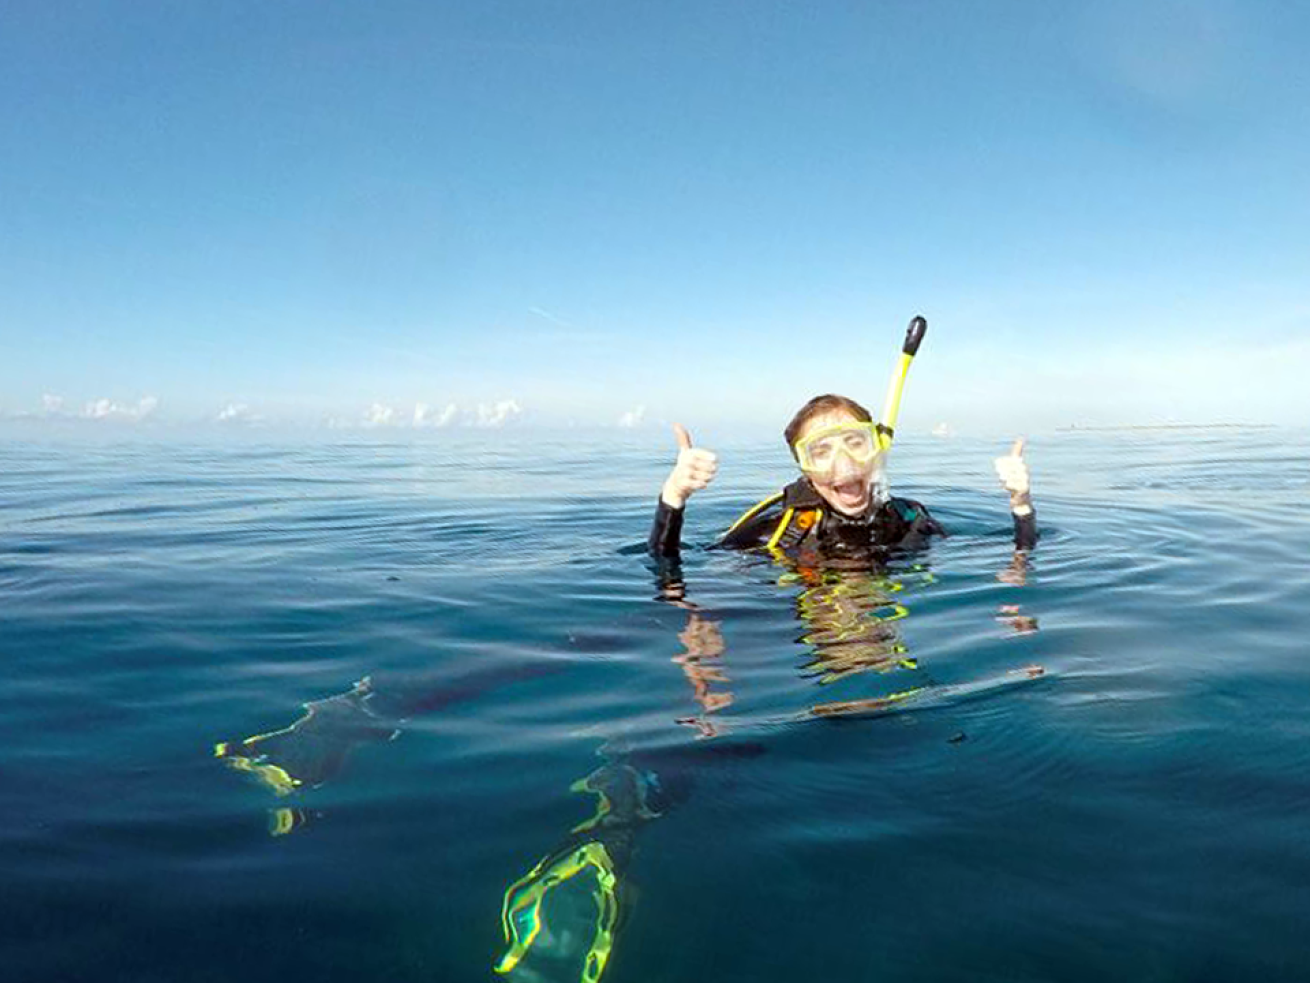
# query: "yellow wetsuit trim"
782,528
753,511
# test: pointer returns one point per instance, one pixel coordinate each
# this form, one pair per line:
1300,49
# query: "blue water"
1134,809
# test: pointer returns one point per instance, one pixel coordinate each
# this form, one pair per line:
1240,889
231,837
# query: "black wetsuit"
798,518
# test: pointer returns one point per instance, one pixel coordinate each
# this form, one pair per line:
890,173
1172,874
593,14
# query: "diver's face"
847,485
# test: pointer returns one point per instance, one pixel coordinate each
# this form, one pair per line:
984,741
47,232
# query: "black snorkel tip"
914,335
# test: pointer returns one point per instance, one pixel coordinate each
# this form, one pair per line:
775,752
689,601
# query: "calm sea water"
854,775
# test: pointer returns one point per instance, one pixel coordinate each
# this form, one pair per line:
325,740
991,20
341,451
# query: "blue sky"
605,210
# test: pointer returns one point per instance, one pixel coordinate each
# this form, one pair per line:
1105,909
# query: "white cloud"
426,416
237,413
633,417
52,405
107,409
498,414
380,415
429,416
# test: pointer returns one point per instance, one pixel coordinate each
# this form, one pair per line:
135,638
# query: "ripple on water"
1091,823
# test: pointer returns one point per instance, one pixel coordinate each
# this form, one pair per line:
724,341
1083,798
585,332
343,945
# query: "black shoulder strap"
751,513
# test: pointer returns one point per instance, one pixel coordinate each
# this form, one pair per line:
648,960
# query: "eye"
821,450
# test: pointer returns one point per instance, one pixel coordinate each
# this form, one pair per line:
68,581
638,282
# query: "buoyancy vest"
785,520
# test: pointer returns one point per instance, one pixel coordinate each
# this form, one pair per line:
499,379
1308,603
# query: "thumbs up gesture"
1012,469
694,470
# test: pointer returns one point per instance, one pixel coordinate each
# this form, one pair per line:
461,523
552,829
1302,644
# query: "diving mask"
818,452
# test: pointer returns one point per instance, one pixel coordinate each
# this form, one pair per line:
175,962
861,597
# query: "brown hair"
827,403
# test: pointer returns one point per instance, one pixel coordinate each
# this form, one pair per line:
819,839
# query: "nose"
846,466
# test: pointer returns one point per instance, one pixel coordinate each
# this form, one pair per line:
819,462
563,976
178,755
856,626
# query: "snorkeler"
840,504
834,528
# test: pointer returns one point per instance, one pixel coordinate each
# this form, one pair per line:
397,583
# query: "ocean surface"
275,711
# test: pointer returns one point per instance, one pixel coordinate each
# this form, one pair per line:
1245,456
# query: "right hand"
694,470
1012,469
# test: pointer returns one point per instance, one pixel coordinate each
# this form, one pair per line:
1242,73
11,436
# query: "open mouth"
853,494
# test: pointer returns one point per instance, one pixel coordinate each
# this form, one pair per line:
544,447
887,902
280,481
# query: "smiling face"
840,466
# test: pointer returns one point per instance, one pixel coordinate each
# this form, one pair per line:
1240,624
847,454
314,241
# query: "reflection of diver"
701,659
314,749
560,918
850,612
563,913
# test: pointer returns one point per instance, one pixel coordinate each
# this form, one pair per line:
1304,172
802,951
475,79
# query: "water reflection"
701,658
315,748
851,610
561,918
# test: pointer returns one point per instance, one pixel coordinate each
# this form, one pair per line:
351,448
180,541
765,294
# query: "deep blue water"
1138,811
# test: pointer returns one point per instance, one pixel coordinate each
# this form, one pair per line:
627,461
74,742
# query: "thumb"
684,438
1017,449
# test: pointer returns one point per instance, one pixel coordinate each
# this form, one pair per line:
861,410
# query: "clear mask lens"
820,452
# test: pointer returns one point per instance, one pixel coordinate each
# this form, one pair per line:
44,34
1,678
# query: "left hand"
1013,472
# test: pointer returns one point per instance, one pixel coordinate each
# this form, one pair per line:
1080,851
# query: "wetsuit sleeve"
1025,530
749,532
666,531
926,524
905,524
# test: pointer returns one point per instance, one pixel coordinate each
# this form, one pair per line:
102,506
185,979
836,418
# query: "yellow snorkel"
891,406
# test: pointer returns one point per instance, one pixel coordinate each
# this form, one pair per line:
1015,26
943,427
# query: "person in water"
839,505
837,509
